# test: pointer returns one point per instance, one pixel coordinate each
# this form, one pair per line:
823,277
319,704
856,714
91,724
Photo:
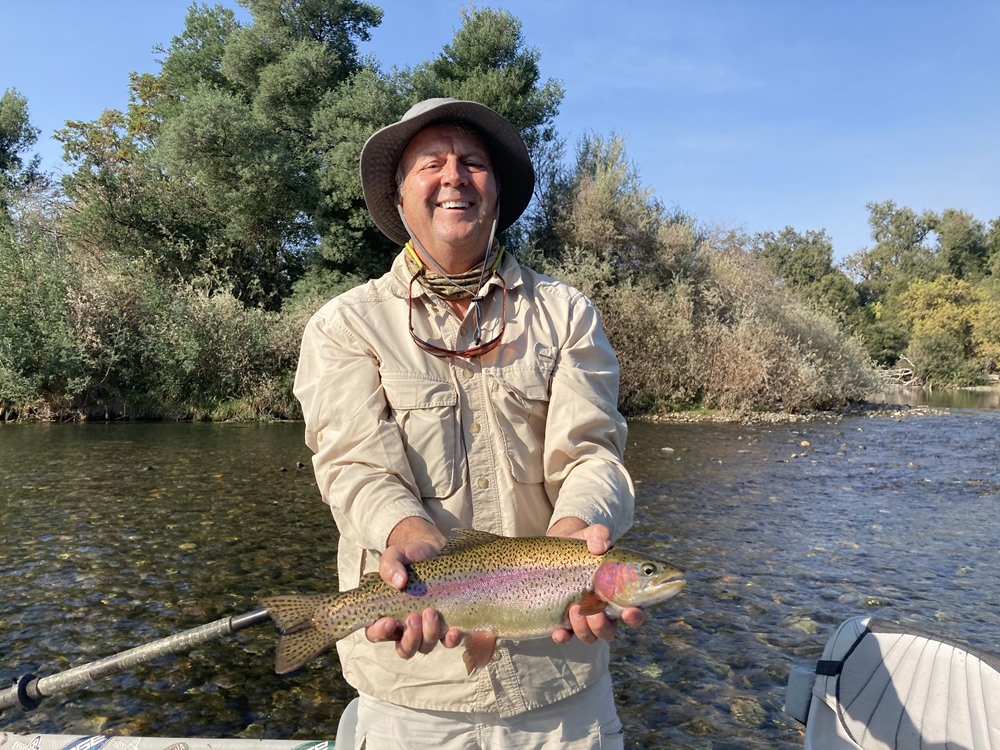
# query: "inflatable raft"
883,686
343,741
105,742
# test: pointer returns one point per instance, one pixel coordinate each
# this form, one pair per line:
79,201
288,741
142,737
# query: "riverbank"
868,409
896,402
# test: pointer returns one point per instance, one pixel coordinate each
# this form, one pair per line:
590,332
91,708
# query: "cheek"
613,581
489,192
412,192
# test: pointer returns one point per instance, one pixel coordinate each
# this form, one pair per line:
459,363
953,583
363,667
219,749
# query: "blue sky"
752,114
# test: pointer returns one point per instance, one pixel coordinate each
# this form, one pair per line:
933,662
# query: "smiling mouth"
455,204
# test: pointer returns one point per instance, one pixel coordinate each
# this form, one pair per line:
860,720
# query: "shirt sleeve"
358,453
585,435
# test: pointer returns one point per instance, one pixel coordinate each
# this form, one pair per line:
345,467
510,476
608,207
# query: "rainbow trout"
487,586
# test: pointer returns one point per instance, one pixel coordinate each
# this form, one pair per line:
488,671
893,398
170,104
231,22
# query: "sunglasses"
479,348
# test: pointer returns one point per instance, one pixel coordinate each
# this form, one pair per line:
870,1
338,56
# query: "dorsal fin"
463,539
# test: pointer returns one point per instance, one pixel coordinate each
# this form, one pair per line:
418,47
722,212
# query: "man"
463,390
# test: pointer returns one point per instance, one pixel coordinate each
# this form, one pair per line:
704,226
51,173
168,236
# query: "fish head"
627,579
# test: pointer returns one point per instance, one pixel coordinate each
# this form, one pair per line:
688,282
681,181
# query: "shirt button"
496,655
474,428
319,436
483,482
468,374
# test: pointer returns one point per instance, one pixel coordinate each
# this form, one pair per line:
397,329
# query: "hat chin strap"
424,255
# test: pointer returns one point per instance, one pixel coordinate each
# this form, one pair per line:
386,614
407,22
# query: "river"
116,534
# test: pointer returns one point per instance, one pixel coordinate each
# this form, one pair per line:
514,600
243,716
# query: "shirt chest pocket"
520,398
426,412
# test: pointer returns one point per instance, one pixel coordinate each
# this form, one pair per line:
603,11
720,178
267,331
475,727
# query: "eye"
647,569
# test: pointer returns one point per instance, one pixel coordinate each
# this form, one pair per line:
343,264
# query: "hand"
412,540
588,628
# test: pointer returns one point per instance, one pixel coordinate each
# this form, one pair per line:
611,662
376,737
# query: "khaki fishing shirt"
508,442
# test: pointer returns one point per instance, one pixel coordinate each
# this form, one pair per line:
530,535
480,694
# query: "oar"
28,690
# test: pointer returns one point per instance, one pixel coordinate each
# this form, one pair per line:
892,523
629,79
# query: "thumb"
598,539
391,568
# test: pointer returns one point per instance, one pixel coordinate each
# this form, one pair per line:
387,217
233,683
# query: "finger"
411,639
603,627
452,638
562,635
633,616
430,630
581,626
383,629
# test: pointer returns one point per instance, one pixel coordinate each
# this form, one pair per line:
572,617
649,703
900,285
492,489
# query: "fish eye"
647,569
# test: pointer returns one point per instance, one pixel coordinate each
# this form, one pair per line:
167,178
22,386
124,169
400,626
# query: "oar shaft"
28,692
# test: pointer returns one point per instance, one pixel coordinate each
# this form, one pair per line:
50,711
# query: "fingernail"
398,580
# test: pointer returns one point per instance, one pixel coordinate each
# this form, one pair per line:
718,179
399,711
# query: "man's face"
449,194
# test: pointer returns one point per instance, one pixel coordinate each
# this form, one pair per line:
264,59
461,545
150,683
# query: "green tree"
942,315
488,61
237,162
986,329
17,134
900,253
213,168
805,262
993,248
963,248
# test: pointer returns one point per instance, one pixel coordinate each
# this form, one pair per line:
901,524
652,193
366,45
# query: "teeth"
456,204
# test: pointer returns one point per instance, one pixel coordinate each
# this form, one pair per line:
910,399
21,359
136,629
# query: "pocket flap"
406,391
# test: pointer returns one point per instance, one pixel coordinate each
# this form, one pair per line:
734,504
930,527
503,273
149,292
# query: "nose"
454,172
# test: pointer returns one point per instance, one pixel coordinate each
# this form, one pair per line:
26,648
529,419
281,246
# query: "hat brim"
381,153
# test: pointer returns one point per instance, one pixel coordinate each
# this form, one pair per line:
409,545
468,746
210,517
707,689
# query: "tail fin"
301,641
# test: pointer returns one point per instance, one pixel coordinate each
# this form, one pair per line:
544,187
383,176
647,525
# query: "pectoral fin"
591,603
479,648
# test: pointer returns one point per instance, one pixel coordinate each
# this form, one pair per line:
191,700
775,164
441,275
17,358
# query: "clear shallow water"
118,534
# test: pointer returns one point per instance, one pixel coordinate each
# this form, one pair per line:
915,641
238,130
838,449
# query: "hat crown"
426,106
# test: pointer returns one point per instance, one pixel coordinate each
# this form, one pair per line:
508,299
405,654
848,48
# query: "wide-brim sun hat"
381,152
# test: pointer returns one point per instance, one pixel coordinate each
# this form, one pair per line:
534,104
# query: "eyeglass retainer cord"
477,298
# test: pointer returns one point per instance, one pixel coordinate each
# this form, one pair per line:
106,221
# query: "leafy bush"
954,331
737,341
43,365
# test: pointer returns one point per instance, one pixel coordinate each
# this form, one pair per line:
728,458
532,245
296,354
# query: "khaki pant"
585,721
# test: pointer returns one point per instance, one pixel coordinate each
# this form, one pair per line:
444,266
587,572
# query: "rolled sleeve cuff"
593,511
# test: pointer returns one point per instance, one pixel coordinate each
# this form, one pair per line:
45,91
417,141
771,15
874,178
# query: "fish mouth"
674,576
675,584
669,584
